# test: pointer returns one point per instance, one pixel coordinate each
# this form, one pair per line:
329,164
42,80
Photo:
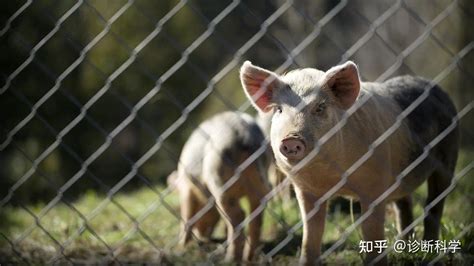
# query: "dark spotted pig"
307,103
210,158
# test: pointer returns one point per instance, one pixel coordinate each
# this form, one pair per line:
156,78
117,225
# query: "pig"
211,156
307,103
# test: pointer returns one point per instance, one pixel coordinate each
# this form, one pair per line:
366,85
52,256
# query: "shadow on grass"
290,247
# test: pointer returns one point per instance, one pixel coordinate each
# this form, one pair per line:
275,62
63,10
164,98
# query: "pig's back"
425,122
432,115
229,134
232,133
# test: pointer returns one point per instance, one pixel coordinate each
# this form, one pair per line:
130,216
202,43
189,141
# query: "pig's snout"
293,148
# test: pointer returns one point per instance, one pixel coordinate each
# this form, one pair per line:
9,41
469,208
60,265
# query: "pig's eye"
279,109
319,109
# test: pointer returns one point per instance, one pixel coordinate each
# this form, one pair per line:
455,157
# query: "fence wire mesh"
98,98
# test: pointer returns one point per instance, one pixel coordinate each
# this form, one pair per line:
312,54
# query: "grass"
111,235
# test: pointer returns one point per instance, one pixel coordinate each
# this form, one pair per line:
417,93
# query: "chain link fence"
98,98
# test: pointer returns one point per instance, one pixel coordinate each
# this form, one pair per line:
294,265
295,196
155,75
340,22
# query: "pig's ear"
259,85
344,83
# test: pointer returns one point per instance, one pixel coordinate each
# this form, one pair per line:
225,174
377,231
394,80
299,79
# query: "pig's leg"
255,227
205,225
233,216
188,209
313,226
437,183
214,173
404,215
373,228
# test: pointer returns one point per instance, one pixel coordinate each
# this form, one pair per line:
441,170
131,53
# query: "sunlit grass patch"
143,227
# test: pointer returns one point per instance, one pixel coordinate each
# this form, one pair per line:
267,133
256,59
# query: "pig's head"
305,104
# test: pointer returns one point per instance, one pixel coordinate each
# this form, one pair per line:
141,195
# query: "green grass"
112,235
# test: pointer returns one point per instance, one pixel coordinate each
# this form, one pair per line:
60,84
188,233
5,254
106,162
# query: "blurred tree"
169,61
